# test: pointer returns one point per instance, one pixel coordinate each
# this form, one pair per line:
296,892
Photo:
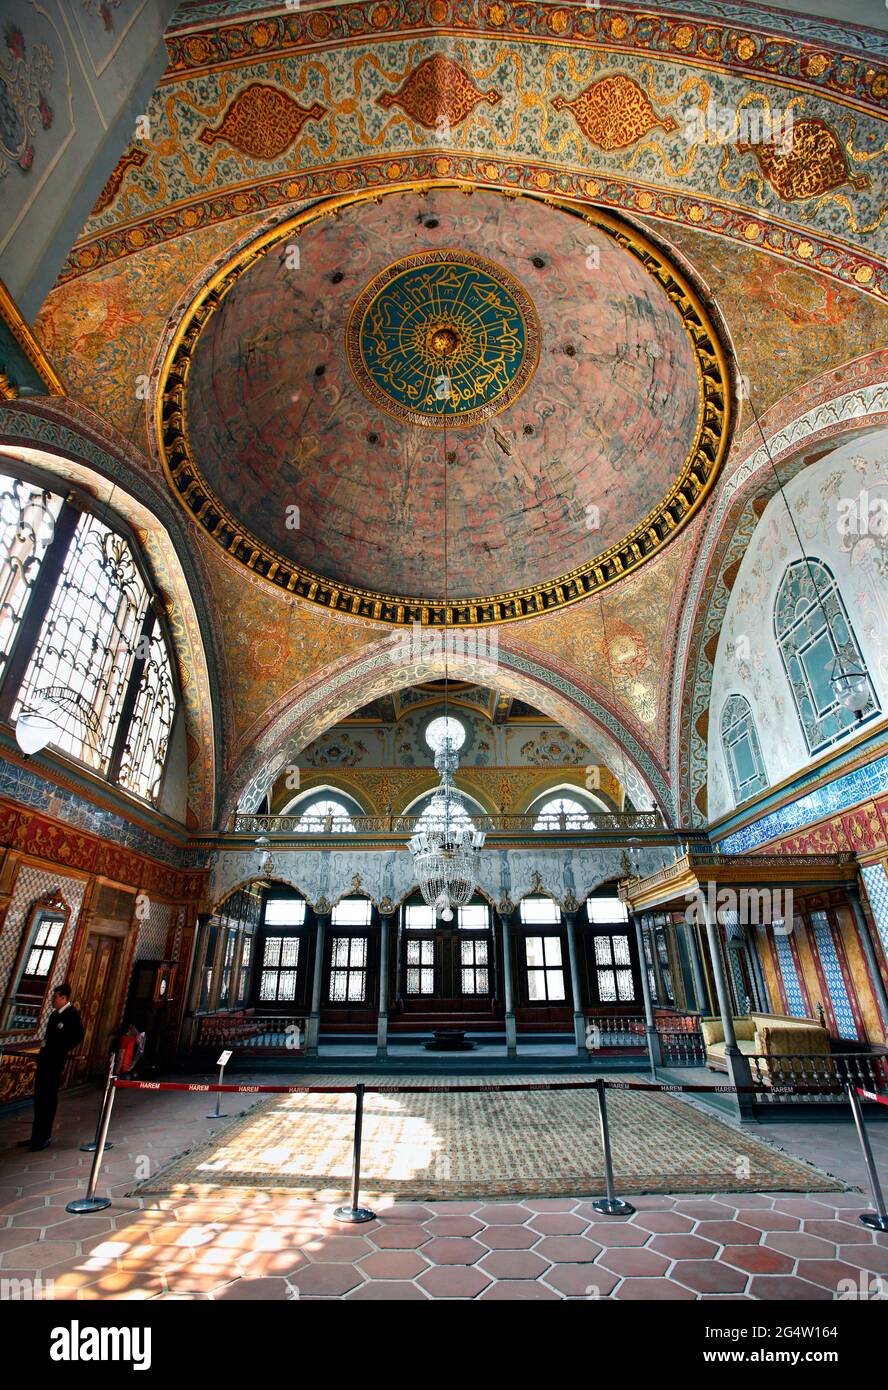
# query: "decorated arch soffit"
592,103
65,438
304,713
851,399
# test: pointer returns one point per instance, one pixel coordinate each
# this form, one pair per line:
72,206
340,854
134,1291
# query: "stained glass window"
474,966
27,523
87,643
545,970
743,754
147,740
815,638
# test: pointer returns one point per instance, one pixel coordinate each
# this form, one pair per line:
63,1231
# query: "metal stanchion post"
221,1062
91,1202
91,1147
355,1214
876,1220
611,1205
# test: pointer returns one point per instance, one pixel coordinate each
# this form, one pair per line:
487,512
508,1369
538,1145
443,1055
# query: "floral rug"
440,1145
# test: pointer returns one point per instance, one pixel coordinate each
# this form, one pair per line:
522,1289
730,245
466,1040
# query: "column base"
511,1036
312,1034
580,1033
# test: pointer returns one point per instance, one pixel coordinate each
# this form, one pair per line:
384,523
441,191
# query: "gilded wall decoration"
438,93
262,121
815,164
527,139
130,159
782,318
614,112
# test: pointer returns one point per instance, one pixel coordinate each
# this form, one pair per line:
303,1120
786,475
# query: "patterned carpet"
518,1144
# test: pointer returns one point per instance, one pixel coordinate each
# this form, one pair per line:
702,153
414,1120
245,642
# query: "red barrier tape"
871,1095
463,1090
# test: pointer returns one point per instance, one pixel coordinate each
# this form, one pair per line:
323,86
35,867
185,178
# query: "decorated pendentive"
443,337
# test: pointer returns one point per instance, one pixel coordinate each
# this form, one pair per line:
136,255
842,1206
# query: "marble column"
738,1066
579,1018
313,1025
504,912
385,924
701,993
650,1024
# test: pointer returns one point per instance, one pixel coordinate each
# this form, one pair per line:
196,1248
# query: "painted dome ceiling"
558,362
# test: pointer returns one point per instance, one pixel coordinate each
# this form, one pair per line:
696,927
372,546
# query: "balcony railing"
242,1030
618,823
827,1074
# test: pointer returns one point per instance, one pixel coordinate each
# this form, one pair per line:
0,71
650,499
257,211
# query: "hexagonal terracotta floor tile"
453,1250
503,1214
379,1291
508,1237
799,1245
393,1264
408,1236
567,1249
581,1281
654,1290
558,1224
634,1262
682,1247
757,1259
454,1281
786,1286
770,1220
829,1274
513,1290
729,1232
453,1226
839,1232
663,1222
709,1276
332,1280
514,1264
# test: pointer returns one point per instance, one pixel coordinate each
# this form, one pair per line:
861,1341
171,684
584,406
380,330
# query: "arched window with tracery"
84,659
743,754
563,813
816,642
325,816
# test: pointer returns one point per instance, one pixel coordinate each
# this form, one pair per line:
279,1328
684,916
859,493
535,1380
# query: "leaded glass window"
27,523
147,740
815,637
474,966
280,965
87,643
613,969
348,970
324,816
563,813
743,754
420,967
545,968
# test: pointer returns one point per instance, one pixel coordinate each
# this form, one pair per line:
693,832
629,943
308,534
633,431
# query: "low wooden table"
449,1040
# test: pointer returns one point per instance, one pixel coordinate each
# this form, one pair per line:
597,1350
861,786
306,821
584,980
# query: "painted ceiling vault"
310,382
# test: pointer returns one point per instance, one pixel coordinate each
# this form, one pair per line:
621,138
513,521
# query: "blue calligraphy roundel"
443,338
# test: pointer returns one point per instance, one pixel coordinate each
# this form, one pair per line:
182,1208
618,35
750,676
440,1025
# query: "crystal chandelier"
446,844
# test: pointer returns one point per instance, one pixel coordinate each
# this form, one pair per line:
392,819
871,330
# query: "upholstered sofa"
767,1035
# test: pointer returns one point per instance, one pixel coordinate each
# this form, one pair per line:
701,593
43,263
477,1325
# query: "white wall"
748,661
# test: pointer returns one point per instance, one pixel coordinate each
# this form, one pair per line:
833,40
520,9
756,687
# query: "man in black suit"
64,1031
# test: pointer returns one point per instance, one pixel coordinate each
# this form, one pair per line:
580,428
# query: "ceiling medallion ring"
684,498
443,338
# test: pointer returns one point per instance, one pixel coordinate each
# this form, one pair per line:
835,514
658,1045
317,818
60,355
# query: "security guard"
64,1030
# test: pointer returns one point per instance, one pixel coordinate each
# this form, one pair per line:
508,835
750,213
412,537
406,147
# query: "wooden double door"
447,967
